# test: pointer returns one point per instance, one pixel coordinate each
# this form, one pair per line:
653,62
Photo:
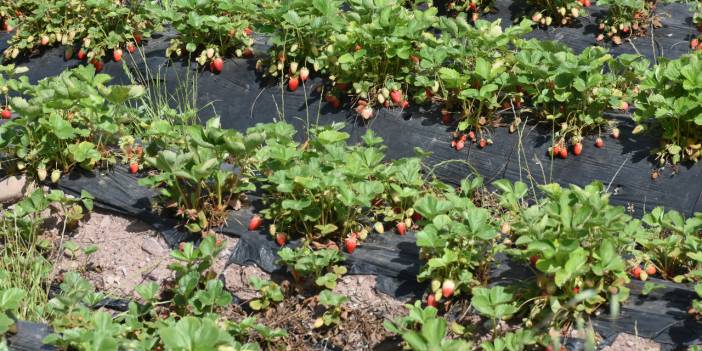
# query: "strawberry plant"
404,184
183,316
96,26
422,329
668,104
10,302
209,30
696,9
12,12
269,292
558,12
479,79
376,54
192,177
571,91
320,265
459,242
575,240
672,245
333,304
322,189
473,7
300,36
73,120
626,18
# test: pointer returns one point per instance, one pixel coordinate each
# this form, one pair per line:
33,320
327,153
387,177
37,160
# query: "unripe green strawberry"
41,173
55,175
378,226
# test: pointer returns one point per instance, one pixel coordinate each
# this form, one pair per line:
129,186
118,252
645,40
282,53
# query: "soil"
628,342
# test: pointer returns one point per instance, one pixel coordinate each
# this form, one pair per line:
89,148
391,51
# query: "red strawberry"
694,43
636,272
304,73
293,83
651,269
81,55
445,117
482,143
333,100
556,150
459,145
415,59
447,288
137,38
117,55
400,227
133,168
350,244
248,31
181,246
577,149
416,217
471,135
405,104
6,113
473,6
217,65
533,259
431,301
615,133
576,290
396,97
342,86
248,52
564,153
68,54
625,30
140,151
463,137
98,65
255,222
44,41
453,144
280,239
599,143
131,48
218,241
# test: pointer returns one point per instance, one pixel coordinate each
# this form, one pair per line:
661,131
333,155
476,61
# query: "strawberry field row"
386,53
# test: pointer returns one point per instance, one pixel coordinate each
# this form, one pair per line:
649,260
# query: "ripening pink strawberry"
304,73
117,55
367,112
431,301
447,288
